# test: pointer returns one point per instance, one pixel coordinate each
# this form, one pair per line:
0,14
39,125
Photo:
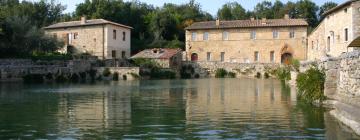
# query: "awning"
355,43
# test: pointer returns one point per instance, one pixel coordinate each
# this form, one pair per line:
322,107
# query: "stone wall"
342,84
125,73
205,69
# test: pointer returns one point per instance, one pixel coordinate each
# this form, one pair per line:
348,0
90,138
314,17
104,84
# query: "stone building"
340,26
247,41
166,58
98,37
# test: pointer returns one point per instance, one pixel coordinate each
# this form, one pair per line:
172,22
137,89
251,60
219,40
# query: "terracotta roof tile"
248,24
158,53
88,23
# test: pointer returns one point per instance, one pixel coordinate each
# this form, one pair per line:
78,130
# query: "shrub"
310,85
295,64
49,76
162,74
283,73
258,75
232,74
92,74
221,73
33,78
74,78
197,76
82,76
60,78
116,76
106,72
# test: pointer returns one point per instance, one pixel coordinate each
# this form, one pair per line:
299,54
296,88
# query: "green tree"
325,7
232,11
308,10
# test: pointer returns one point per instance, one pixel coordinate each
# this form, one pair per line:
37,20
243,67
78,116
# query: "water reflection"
184,109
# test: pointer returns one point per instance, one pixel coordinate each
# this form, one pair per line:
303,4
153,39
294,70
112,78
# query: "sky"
210,6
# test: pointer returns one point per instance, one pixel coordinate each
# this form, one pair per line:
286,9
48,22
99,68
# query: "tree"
325,7
308,10
232,11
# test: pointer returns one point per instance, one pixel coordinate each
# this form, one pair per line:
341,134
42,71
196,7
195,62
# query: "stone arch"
194,57
287,53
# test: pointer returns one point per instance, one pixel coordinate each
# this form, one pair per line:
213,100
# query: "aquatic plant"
283,73
220,73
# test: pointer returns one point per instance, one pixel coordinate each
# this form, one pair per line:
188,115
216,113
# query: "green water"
163,109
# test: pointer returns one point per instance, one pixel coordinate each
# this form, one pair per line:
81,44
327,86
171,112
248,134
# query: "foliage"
60,78
186,71
106,72
232,74
283,73
310,85
124,77
325,7
82,76
232,11
74,78
116,76
49,76
50,56
220,73
162,74
295,64
92,74
33,78
145,63
266,75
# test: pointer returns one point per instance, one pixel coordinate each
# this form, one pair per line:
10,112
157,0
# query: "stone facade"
337,30
125,73
106,41
236,44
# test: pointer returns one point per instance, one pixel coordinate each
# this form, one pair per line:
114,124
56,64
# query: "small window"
328,43
292,34
206,36
345,10
124,36
225,35
346,34
193,36
275,34
76,35
113,54
272,56
256,56
123,54
208,56
312,45
253,35
222,56
114,34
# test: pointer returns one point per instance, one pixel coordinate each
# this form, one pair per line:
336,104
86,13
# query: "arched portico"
286,54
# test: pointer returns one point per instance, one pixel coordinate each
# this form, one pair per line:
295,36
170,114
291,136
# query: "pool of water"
163,109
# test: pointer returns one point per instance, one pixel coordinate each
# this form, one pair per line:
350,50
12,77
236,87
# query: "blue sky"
210,6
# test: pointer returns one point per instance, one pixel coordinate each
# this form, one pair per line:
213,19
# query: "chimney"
83,19
252,18
286,16
217,22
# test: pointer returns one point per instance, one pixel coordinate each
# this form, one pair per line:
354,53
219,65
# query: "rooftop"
84,23
251,23
157,53
339,7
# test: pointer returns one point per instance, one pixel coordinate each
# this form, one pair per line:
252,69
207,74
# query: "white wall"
118,45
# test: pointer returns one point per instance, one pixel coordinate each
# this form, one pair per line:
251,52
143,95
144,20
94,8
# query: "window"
222,56
123,54
114,34
208,56
328,43
124,36
292,34
206,36
225,36
312,45
193,36
346,34
76,35
253,35
272,56
256,56
275,34
113,54
55,35
345,10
